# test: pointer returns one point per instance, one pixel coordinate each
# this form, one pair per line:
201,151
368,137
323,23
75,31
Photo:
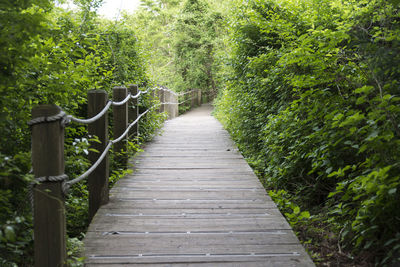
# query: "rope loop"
56,178
47,119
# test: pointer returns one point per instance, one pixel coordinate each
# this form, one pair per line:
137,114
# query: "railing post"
192,99
49,208
199,98
120,116
168,107
133,112
161,97
186,99
175,107
98,179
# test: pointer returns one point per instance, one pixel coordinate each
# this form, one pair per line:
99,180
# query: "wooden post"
187,104
98,179
161,97
120,115
199,98
168,107
175,107
133,112
192,99
49,208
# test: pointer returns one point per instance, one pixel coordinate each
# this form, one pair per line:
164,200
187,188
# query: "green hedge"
50,55
313,102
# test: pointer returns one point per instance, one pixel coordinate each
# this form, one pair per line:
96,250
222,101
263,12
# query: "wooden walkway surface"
191,201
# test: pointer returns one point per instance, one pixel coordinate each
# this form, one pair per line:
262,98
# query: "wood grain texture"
120,121
192,200
48,208
98,179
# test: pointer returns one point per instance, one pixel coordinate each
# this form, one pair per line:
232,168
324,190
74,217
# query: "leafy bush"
313,101
51,55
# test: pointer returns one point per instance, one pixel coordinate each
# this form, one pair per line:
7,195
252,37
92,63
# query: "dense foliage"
183,37
52,55
313,102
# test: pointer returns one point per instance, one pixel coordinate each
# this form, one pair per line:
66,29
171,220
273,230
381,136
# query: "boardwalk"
191,201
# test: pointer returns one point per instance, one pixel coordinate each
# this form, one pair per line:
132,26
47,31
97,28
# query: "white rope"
90,170
129,127
127,98
55,178
67,118
175,103
104,110
166,90
137,95
102,156
60,116
93,119
188,92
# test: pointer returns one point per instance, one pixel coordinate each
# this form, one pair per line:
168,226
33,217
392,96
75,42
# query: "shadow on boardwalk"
192,200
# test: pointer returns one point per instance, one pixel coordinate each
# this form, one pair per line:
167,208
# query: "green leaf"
296,210
9,233
392,191
365,89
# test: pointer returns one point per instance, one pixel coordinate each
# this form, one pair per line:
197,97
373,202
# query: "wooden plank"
188,204
174,175
166,224
189,183
287,259
206,160
202,172
193,194
187,211
262,263
122,243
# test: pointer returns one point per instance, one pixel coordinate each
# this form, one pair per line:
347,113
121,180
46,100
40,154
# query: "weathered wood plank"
263,263
190,183
188,212
132,243
188,204
165,224
188,194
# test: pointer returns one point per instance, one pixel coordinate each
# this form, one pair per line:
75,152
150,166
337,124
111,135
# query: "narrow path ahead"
192,200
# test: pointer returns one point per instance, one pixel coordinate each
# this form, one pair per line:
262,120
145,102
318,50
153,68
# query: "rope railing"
62,114
109,104
68,118
97,163
187,92
93,119
52,185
